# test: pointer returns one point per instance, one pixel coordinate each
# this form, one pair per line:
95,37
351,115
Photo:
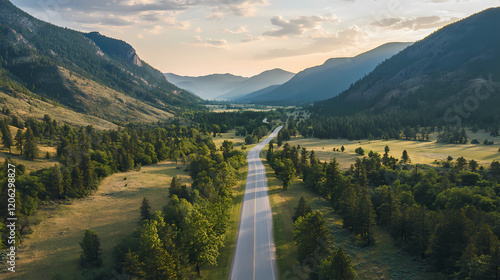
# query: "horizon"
249,37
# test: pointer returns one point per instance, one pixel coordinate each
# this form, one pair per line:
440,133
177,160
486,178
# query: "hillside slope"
45,61
327,80
451,75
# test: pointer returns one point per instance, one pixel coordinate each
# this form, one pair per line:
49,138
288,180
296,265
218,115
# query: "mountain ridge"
35,57
434,77
329,79
228,86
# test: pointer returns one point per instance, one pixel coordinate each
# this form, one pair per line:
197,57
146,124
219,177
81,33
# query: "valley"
252,140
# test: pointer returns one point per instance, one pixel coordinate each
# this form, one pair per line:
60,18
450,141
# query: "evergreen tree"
158,263
202,242
19,141
337,266
311,235
302,209
91,246
405,158
88,174
7,140
133,266
287,174
342,148
57,183
387,150
145,210
30,148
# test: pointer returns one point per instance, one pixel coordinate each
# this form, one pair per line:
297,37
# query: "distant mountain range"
452,75
228,86
327,80
85,72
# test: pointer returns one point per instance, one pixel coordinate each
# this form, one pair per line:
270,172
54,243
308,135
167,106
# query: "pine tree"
30,148
57,184
7,140
311,235
19,141
405,158
88,174
287,174
145,210
337,266
133,265
302,209
91,246
342,148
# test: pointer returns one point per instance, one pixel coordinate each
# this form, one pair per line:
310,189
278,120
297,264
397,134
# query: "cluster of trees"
87,155
316,249
453,136
449,216
191,229
366,126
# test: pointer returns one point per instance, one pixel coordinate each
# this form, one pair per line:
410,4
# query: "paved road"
254,258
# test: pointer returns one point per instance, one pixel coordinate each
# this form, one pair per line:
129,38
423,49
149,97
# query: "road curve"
254,258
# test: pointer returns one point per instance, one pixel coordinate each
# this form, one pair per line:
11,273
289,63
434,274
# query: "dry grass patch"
113,212
419,152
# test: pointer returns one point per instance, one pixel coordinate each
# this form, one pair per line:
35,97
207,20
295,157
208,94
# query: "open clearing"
113,212
419,151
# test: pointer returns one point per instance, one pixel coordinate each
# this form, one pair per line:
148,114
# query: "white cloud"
209,41
298,25
222,8
321,44
239,30
414,23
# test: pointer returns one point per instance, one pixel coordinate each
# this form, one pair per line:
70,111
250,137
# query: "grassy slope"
113,212
381,261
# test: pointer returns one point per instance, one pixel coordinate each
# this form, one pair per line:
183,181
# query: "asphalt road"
254,258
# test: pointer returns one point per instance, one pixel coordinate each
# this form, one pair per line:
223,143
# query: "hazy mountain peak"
328,79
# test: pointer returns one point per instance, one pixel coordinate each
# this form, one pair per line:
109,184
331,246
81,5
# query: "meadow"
421,152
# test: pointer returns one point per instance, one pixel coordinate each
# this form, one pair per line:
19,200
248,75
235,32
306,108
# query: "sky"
246,37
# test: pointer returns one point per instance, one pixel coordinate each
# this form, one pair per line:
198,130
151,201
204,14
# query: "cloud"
239,30
222,8
249,38
210,42
320,44
416,23
298,25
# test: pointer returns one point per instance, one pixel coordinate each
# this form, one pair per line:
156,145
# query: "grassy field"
419,152
113,212
381,261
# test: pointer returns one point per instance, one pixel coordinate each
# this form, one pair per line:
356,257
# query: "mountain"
84,72
327,80
258,82
228,86
207,87
450,75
